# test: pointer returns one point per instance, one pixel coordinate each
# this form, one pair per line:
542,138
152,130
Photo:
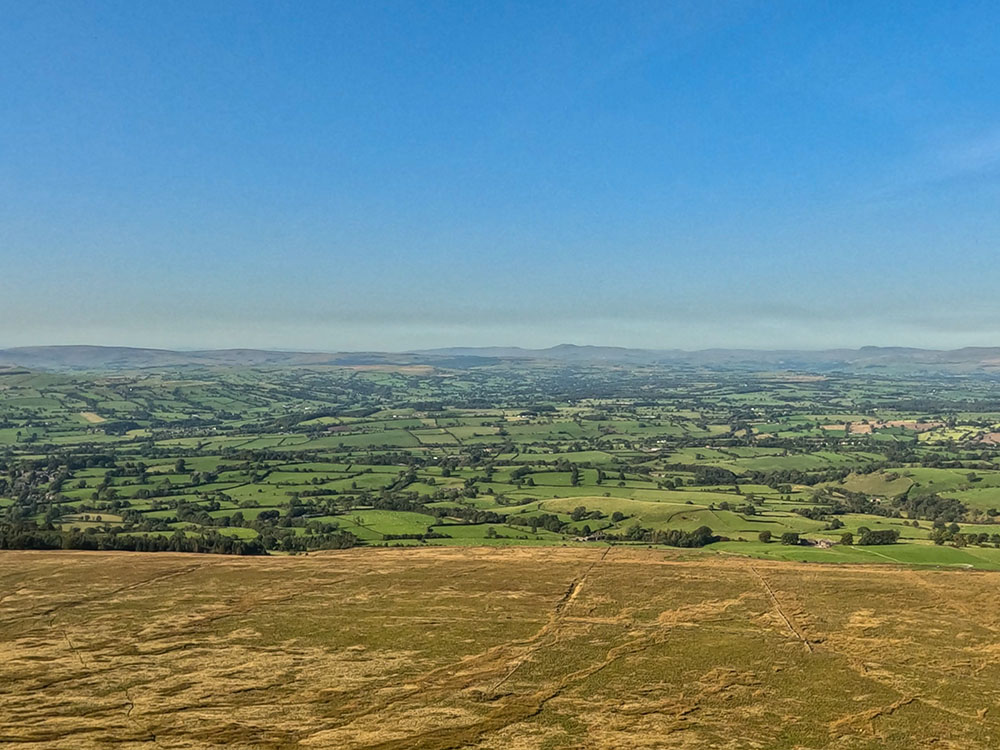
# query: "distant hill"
125,358
562,352
869,358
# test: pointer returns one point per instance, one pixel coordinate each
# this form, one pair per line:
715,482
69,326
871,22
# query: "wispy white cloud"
940,162
978,153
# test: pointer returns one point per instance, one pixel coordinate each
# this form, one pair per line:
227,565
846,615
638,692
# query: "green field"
285,460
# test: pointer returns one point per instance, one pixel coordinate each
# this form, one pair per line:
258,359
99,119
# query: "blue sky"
391,175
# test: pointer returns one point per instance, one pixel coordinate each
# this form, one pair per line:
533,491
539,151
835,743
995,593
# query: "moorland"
517,647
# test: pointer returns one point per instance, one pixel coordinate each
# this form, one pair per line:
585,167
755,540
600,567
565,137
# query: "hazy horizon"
182,349
359,340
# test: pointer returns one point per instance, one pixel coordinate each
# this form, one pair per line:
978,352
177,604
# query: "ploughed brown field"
493,648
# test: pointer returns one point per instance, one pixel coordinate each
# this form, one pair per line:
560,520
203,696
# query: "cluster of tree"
820,513
671,537
941,535
868,536
704,475
932,508
927,507
429,534
29,536
708,475
782,480
580,513
287,540
547,521
469,515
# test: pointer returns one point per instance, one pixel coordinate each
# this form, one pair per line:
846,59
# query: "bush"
764,536
790,538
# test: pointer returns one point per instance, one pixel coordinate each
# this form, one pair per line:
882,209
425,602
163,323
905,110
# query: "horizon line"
431,350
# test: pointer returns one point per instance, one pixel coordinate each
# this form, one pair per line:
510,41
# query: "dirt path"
777,608
558,613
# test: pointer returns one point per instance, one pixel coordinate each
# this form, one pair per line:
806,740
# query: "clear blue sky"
392,175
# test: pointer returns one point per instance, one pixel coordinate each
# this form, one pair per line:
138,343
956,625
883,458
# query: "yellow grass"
493,648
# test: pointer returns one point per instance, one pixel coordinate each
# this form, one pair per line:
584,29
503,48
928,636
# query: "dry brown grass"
493,648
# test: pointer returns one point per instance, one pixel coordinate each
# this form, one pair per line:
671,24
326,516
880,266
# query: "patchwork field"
256,461
545,647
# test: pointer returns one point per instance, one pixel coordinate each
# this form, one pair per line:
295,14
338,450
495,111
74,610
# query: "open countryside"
479,451
499,375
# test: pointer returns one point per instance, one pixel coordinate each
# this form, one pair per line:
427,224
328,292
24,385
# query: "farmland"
537,647
498,453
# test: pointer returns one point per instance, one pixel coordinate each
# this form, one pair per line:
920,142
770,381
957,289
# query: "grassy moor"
493,648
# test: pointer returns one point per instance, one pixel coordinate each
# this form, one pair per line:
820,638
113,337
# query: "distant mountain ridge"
866,356
969,359
124,357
